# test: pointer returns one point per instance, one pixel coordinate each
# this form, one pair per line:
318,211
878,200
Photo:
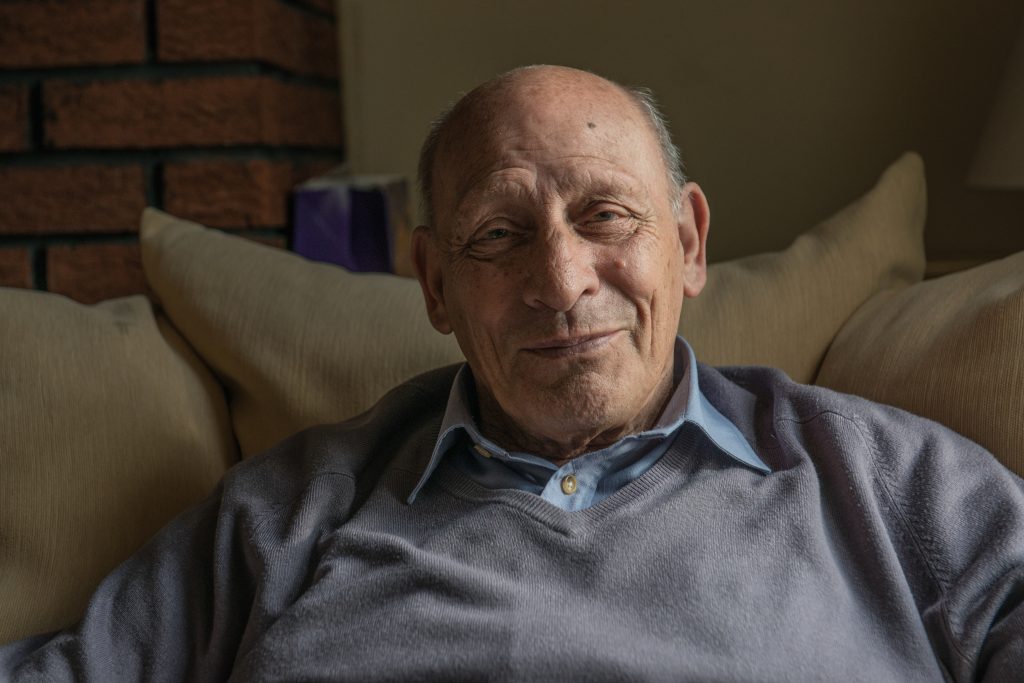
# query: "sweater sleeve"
191,600
173,611
963,516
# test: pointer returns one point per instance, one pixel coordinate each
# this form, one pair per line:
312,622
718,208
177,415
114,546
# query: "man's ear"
694,222
426,261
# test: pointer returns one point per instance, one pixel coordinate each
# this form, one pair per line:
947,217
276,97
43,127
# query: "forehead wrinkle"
516,127
565,182
503,182
605,180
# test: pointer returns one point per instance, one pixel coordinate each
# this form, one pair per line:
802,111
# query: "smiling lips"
570,346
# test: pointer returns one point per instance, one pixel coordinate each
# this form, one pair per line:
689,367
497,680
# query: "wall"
784,110
210,110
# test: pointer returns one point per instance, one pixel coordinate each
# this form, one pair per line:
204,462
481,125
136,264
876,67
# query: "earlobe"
694,223
426,263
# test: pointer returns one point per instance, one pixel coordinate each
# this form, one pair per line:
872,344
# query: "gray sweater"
882,547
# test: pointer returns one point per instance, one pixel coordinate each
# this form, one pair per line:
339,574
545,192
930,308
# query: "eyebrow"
614,185
599,182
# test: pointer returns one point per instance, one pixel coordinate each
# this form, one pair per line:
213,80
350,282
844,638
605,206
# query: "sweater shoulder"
396,432
770,408
773,390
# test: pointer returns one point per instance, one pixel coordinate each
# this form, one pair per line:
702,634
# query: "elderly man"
582,500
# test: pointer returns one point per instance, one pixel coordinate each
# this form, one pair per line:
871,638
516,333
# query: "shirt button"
568,484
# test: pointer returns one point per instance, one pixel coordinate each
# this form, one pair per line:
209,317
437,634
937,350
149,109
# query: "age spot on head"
591,124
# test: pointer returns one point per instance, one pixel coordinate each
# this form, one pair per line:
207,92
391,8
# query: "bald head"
483,115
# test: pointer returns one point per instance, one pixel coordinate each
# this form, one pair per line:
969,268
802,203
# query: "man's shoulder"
777,413
397,432
773,390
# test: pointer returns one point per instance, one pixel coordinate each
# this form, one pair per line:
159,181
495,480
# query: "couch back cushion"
783,309
950,349
298,343
109,426
295,343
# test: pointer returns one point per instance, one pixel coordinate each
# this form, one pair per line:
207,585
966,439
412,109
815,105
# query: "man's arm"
962,514
208,583
173,611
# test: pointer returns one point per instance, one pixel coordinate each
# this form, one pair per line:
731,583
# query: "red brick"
13,118
93,272
52,33
234,194
298,41
70,199
261,30
215,111
15,268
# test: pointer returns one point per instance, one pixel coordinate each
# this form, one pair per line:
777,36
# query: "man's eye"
492,241
496,234
607,219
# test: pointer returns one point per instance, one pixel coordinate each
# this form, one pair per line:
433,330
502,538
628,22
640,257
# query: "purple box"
358,222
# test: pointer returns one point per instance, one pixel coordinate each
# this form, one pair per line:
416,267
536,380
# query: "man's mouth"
557,347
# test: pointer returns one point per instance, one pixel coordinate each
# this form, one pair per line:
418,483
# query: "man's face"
558,261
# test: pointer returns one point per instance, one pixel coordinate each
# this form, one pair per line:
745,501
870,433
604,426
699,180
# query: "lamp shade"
999,160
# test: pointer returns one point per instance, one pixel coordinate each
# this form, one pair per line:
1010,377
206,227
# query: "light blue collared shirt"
587,479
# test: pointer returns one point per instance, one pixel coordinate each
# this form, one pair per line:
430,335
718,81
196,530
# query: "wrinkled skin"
557,260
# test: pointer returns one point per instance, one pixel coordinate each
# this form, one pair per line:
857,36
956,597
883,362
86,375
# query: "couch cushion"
295,342
783,309
951,349
298,343
109,426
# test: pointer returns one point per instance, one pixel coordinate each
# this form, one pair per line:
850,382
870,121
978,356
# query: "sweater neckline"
673,466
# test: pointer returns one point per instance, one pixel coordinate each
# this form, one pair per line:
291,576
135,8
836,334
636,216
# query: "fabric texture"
882,547
783,309
951,349
109,427
298,343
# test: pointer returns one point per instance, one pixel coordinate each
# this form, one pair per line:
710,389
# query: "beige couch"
115,417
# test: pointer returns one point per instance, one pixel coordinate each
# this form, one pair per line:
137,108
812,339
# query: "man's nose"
562,269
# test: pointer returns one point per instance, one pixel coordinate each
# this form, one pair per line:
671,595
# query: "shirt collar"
720,431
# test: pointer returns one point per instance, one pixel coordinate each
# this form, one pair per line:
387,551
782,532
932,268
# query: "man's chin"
564,378
568,371
568,397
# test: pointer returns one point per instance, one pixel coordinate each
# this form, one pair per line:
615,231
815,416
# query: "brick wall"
210,110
